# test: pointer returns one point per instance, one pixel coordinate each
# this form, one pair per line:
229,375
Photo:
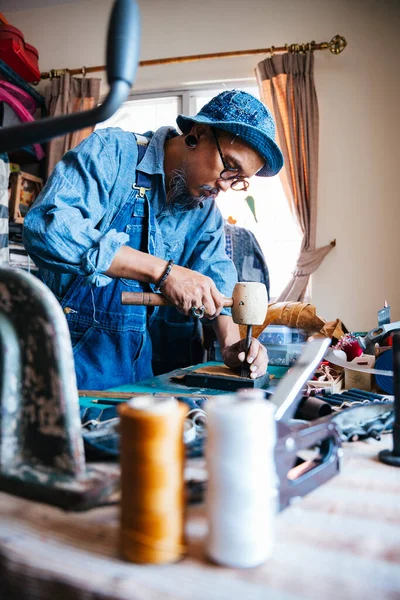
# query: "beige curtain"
286,83
65,95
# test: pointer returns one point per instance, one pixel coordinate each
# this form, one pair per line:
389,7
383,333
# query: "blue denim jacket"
67,230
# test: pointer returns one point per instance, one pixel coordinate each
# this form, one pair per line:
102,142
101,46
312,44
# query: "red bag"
17,54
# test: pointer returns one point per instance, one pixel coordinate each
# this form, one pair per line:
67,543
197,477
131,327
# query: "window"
147,114
272,224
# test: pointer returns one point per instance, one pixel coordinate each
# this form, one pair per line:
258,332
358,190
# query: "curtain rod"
336,46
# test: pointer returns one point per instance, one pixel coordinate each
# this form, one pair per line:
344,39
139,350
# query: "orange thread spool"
152,484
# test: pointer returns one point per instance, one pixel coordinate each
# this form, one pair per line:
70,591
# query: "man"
125,212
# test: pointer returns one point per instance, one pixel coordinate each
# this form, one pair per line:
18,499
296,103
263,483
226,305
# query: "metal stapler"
299,475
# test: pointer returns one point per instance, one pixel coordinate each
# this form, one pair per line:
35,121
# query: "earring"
191,141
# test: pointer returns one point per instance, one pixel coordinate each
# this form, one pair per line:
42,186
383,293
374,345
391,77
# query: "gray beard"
179,195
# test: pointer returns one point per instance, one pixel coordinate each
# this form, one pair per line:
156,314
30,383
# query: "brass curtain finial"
337,44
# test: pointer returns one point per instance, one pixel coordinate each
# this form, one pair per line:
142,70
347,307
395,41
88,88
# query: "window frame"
188,95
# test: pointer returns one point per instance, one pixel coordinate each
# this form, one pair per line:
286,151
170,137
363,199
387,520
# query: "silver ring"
198,313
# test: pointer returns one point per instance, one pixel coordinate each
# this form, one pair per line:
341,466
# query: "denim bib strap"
143,181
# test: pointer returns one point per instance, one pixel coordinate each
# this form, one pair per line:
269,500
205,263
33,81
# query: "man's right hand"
185,288
189,289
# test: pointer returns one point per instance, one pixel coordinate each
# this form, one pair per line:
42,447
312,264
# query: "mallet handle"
148,299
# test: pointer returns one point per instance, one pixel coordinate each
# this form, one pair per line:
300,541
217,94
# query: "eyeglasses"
239,183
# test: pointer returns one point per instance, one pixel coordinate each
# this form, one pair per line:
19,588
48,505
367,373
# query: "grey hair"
178,195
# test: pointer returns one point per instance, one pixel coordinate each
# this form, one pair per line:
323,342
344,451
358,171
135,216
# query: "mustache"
212,192
178,195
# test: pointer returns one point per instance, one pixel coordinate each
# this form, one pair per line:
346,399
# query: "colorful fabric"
243,248
21,112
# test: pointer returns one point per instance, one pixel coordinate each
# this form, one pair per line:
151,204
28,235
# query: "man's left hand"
257,357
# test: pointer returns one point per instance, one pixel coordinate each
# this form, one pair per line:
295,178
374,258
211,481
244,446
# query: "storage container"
280,334
283,355
17,54
330,386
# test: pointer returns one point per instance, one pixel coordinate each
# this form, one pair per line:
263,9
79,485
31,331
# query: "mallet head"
250,303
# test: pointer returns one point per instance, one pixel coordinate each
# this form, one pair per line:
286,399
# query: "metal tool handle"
149,299
245,368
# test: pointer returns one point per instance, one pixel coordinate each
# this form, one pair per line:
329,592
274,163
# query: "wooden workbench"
340,542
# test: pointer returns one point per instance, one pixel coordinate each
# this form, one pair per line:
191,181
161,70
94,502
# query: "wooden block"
222,378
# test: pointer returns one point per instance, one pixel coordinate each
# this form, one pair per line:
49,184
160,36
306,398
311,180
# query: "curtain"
286,83
65,95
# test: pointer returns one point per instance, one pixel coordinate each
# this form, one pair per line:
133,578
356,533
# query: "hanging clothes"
243,249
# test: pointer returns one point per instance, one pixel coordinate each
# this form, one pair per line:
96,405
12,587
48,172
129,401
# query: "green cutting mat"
163,384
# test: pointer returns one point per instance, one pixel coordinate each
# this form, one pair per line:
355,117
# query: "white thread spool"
251,394
242,495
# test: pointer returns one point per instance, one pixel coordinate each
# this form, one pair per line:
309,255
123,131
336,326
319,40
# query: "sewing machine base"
41,448
96,488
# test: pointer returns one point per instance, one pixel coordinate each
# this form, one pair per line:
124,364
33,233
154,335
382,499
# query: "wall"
358,95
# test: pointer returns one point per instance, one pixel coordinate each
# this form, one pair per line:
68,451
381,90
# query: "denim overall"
110,341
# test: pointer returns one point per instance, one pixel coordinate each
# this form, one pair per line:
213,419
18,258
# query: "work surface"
341,541
163,384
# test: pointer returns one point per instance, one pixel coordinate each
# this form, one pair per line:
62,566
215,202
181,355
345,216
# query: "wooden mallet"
249,304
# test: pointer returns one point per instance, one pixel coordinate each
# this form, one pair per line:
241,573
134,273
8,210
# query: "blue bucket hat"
243,115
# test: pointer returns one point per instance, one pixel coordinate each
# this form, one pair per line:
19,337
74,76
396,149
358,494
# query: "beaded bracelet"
165,275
